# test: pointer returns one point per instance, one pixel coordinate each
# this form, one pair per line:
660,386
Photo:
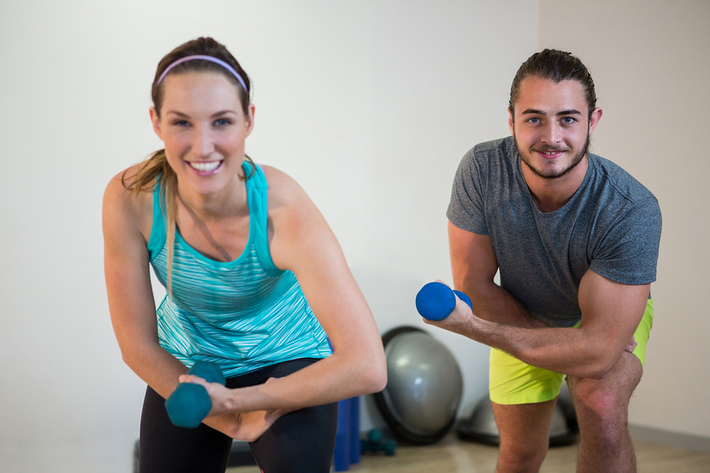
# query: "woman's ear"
155,120
250,119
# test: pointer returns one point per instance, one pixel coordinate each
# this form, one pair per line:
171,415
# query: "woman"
255,281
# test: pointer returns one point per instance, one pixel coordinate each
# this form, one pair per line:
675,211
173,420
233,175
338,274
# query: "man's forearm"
564,350
493,303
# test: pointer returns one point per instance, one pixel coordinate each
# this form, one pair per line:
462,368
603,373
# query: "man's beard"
575,161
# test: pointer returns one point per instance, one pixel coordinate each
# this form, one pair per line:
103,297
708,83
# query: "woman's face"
204,128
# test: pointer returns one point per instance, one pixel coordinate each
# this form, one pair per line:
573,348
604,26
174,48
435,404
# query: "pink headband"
204,58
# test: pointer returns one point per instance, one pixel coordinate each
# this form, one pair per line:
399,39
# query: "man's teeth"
205,166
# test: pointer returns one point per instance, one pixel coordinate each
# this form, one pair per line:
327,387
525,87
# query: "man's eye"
533,120
568,120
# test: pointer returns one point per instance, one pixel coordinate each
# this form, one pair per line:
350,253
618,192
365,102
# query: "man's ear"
596,116
510,121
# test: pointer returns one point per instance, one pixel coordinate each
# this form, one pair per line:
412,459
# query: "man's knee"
600,407
523,453
520,460
607,400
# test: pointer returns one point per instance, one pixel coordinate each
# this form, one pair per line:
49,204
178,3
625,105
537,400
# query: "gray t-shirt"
612,225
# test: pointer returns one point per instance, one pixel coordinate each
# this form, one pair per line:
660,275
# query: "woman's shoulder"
120,189
289,204
124,206
283,189
297,228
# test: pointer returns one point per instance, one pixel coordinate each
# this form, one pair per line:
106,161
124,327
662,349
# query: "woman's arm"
303,243
127,221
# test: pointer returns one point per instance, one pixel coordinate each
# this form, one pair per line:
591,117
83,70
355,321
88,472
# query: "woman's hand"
224,415
222,397
248,426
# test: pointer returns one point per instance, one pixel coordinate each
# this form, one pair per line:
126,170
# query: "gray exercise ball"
481,426
424,386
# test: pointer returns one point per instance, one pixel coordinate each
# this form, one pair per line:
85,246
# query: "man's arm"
611,312
474,265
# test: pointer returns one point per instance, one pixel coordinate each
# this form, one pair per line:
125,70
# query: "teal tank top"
244,314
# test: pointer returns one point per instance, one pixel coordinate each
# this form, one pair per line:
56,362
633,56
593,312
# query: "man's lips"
550,153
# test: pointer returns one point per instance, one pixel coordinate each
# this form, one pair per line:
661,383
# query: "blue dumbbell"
189,404
435,301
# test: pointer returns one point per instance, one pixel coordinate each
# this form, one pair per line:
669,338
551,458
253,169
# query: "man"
576,241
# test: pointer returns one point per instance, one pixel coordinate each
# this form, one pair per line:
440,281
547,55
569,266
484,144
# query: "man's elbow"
595,372
598,366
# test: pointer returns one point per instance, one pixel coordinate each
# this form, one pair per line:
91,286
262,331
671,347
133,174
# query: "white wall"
650,65
369,104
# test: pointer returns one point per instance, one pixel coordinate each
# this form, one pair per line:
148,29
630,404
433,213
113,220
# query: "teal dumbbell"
189,404
374,443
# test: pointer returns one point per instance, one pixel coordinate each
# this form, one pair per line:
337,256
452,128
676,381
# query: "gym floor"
454,455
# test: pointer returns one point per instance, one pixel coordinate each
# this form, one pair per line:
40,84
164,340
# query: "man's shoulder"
615,178
501,145
491,154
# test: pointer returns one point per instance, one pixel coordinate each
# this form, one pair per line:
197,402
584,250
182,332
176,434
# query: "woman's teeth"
205,166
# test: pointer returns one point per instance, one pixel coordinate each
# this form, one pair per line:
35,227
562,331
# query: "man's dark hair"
556,66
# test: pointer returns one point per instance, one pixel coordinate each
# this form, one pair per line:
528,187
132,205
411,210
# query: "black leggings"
301,441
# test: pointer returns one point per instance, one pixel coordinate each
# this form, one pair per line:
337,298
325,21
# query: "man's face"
551,126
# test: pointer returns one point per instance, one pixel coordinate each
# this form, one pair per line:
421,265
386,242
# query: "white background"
370,105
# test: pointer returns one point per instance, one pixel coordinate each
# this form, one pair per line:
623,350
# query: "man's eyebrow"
569,112
532,111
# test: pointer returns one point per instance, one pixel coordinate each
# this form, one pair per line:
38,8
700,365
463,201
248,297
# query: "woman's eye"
223,122
180,123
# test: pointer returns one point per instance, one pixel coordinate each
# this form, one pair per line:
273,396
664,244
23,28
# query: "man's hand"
461,320
632,345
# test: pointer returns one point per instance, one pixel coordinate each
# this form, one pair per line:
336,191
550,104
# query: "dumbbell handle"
189,404
435,301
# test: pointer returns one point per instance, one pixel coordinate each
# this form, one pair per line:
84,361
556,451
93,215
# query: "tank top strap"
157,231
257,196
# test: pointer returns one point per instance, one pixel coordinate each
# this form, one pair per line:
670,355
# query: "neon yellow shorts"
512,381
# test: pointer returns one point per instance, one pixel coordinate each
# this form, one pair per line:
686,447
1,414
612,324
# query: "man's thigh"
513,382
523,398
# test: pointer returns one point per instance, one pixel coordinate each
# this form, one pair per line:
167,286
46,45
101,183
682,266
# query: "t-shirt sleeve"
466,210
629,251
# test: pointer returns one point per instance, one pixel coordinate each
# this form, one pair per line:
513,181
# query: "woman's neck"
230,201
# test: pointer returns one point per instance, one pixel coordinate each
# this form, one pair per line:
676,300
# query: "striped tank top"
244,314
